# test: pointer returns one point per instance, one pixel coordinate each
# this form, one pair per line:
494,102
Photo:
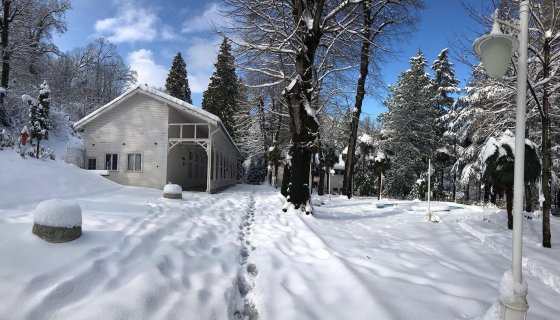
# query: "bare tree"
381,20
293,43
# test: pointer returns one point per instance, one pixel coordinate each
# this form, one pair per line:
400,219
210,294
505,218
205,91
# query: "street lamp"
496,51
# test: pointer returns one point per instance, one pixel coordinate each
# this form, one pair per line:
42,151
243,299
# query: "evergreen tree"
177,83
221,97
445,81
446,84
39,115
410,126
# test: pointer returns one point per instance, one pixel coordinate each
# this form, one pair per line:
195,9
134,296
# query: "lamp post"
430,171
496,51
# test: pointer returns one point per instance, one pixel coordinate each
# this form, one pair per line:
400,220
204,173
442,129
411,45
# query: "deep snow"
207,256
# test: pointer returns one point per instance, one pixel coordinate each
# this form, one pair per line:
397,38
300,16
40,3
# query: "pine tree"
221,96
446,84
445,81
410,126
177,83
39,115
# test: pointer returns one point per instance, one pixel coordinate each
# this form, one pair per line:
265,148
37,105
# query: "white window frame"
117,162
141,162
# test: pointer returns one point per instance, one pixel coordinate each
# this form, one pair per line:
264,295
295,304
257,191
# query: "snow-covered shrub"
172,191
6,140
44,153
57,220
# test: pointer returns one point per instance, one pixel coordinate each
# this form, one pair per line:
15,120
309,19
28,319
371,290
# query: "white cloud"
200,58
167,33
149,72
131,24
204,21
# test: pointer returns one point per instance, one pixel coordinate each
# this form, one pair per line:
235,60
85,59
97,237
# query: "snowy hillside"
206,256
27,181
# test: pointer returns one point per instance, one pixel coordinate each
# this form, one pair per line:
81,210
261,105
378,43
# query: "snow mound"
58,213
172,189
28,181
513,293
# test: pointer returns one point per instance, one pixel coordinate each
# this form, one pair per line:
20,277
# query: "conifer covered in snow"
498,167
410,126
177,83
445,82
221,97
39,115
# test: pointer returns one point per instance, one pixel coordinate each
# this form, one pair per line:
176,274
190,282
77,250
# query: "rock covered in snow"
172,191
57,221
58,213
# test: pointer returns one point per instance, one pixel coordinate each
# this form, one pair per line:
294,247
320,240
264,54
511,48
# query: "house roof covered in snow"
171,101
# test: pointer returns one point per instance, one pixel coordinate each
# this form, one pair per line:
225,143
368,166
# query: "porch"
200,157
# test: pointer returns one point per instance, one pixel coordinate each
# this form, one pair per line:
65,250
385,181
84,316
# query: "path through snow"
141,257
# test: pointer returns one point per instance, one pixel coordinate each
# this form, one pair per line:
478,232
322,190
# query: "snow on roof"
176,103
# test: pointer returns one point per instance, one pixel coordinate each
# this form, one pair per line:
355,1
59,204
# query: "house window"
92,164
111,162
134,162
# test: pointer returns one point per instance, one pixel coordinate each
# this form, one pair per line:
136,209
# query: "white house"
147,138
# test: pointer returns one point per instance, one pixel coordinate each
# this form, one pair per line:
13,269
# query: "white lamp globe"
495,51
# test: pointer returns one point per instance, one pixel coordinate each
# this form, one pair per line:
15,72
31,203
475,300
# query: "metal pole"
380,186
518,180
429,174
518,311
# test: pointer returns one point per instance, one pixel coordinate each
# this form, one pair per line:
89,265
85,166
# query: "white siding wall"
134,126
225,162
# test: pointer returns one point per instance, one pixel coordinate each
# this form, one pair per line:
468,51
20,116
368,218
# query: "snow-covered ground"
145,257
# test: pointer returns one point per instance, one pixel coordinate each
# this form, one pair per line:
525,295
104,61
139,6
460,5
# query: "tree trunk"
276,176
528,193
455,172
546,154
486,193
466,192
347,183
509,205
286,177
38,148
298,95
4,36
321,186
5,40
493,196
328,174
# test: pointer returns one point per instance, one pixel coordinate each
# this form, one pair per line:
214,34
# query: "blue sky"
149,33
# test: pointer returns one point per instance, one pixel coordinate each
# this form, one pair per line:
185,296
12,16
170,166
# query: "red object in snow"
24,138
